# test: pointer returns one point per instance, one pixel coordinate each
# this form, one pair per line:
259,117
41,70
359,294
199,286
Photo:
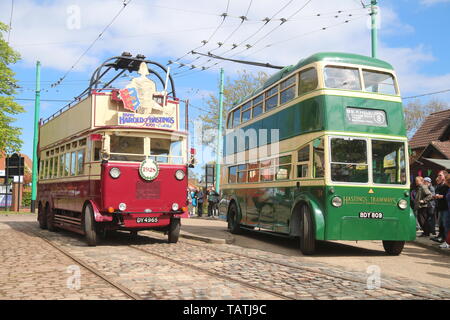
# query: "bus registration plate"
371,215
147,220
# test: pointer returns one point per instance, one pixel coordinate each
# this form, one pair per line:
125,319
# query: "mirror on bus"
192,160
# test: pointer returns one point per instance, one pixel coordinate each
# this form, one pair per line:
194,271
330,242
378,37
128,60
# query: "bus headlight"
114,172
402,204
175,206
336,202
179,174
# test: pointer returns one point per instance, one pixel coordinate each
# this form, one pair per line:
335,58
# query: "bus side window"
97,150
80,163
283,170
308,81
61,165
303,162
232,174
318,158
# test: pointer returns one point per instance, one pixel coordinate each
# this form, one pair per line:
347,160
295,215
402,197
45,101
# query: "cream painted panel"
68,123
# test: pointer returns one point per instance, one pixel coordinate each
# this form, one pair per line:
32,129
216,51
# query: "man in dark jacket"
442,206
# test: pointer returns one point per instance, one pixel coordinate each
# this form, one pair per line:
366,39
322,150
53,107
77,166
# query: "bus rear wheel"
307,234
233,219
393,248
89,226
50,215
42,218
174,230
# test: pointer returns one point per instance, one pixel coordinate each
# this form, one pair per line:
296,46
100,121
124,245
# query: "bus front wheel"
393,248
89,226
174,230
307,234
233,221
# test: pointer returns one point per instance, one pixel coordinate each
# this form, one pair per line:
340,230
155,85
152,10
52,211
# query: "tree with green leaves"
10,135
234,91
416,112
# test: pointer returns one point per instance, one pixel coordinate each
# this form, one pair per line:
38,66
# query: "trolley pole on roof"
219,133
37,105
373,15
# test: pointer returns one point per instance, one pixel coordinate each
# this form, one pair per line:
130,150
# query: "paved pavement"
151,268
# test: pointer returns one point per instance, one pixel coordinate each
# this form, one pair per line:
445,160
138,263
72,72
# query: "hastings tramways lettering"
369,200
132,119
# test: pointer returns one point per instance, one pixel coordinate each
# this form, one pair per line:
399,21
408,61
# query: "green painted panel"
324,112
271,208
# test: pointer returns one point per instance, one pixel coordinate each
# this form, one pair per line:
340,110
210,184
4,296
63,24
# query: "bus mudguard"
412,227
97,215
233,198
316,211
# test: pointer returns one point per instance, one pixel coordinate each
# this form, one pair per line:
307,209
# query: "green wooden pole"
373,15
219,133
37,105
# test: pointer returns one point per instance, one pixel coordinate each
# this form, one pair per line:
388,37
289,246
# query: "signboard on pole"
209,175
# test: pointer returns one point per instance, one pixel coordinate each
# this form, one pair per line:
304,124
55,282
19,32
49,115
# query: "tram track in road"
86,266
213,274
308,269
129,293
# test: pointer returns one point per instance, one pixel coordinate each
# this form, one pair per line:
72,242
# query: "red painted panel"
139,194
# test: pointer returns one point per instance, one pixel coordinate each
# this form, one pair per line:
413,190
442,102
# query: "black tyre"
89,226
174,230
393,248
42,217
307,231
233,219
50,215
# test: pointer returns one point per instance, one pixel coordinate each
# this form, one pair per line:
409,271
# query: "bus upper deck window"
308,80
342,78
379,82
236,117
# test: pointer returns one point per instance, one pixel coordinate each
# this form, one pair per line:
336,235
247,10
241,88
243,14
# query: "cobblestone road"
32,269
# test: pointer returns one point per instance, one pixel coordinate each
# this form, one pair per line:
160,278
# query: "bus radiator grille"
147,190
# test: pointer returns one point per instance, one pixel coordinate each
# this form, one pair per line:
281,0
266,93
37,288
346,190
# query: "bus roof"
336,57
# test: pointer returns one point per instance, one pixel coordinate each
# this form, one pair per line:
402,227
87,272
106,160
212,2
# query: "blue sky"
413,37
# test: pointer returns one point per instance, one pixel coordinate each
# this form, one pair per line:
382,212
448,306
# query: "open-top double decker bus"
319,152
115,158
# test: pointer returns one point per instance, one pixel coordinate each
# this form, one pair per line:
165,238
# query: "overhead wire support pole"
37,105
373,25
373,17
219,132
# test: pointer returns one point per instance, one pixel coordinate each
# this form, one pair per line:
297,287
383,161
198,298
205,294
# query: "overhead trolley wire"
265,20
426,94
273,44
204,42
125,3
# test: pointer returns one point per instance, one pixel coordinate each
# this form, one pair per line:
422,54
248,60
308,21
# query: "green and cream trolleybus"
319,152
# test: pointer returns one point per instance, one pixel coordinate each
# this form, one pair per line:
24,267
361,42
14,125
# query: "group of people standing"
430,204
197,197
